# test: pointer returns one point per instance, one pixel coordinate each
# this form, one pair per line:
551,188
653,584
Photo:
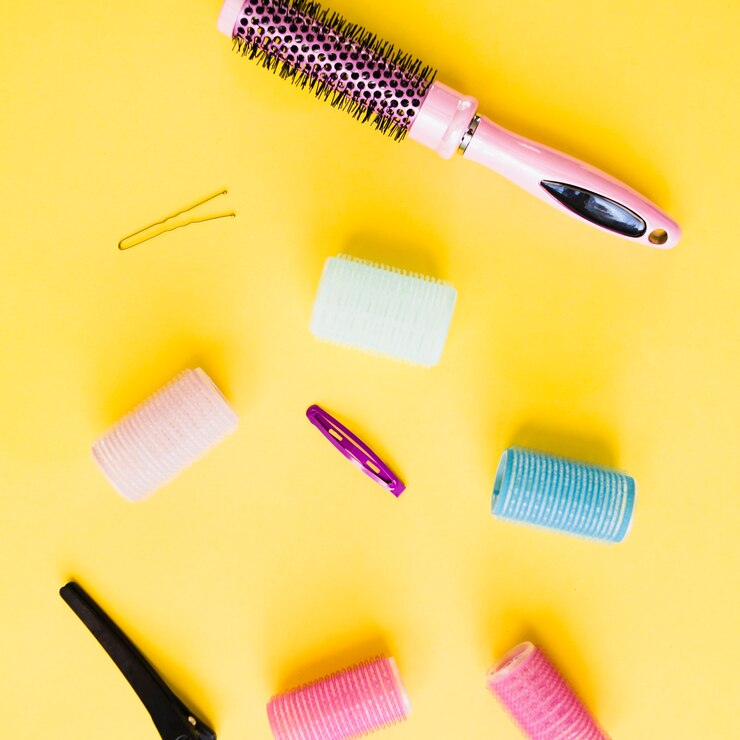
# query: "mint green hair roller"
563,495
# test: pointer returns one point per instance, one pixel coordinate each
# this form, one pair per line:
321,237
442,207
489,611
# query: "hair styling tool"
538,699
348,704
383,310
173,719
355,450
164,435
358,72
564,495
136,238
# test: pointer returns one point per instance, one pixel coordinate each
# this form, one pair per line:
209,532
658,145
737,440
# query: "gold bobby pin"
176,226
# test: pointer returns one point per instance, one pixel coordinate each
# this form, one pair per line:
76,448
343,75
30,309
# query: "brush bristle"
383,310
341,62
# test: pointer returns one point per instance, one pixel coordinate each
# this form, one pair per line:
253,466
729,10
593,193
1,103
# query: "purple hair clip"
355,450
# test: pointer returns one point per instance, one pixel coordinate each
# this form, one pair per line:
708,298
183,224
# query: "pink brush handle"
561,180
447,121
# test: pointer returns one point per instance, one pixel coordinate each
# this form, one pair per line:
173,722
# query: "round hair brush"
358,72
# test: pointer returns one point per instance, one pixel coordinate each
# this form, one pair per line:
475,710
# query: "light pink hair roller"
538,699
164,435
351,703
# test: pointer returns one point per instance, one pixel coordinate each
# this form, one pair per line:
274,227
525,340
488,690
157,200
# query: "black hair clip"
173,719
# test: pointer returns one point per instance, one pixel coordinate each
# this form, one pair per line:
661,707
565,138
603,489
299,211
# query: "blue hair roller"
564,495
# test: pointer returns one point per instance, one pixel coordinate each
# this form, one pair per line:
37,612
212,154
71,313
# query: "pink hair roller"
351,703
538,699
164,435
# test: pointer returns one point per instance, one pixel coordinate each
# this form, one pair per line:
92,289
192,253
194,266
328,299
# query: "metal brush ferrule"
468,135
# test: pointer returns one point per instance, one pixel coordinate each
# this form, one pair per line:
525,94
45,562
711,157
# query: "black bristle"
262,41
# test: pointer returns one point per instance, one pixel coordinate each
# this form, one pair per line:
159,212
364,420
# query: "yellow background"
273,561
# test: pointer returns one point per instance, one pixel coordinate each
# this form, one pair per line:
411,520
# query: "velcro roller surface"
165,434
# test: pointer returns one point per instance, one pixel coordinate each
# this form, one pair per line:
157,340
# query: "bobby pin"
122,244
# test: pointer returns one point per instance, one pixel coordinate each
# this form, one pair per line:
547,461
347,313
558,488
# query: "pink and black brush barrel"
355,70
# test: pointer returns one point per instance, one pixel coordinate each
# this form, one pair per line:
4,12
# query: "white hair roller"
164,435
383,310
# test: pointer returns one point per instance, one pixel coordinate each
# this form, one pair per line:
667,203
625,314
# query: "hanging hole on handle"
658,236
